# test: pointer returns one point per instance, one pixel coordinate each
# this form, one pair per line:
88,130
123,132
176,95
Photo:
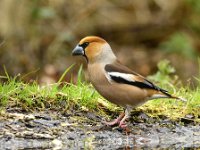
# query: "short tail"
178,98
172,96
161,93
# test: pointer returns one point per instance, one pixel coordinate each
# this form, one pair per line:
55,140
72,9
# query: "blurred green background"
37,36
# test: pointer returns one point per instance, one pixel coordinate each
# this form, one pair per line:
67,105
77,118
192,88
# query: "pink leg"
116,121
122,123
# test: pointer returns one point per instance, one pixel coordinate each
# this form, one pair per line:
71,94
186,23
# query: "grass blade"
29,73
66,71
80,71
6,72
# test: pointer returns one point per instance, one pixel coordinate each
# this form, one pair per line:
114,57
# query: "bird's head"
93,48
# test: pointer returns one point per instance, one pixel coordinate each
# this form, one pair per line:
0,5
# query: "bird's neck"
105,57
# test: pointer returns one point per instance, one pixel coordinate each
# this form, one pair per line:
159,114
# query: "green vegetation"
37,33
30,96
175,109
181,44
166,78
64,96
165,74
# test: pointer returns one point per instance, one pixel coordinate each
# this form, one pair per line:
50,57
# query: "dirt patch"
51,129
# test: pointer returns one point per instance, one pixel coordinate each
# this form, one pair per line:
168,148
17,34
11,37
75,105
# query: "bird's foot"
117,121
114,122
122,124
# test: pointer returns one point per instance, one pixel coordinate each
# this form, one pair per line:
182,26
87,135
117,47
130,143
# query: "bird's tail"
178,98
164,92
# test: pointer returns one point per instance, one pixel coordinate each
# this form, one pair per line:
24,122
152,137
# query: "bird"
114,81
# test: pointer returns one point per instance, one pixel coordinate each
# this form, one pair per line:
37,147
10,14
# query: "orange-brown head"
93,48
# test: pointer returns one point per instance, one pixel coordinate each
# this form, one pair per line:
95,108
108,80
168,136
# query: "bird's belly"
117,93
122,94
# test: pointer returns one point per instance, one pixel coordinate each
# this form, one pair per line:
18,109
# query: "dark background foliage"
37,36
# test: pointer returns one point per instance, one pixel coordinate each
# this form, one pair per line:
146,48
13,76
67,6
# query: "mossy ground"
66,96
82,96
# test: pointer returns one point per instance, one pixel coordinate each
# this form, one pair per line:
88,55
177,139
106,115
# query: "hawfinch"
114,81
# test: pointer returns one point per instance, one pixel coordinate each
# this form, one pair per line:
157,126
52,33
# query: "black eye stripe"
84,45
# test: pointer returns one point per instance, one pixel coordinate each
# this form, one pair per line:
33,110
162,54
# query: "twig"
2,43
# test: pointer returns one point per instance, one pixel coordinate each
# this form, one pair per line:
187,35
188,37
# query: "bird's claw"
112,123
122,125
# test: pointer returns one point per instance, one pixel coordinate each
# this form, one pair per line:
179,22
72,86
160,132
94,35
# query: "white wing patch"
155,96
125,76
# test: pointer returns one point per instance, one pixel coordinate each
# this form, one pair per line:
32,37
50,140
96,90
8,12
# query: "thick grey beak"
78,50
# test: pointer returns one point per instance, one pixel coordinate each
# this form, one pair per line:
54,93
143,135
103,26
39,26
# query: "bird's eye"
84,45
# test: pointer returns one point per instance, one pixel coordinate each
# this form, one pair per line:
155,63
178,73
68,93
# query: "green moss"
67,96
